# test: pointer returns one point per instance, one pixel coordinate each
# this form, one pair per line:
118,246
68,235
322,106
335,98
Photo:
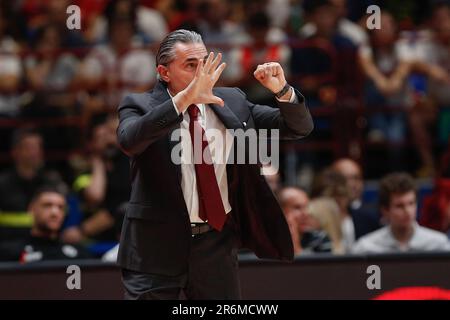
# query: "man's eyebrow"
190,60
195,59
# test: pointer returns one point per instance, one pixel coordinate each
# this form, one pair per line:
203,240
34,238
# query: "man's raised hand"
271,76
199,91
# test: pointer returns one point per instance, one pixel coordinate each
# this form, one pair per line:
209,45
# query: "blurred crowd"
380,99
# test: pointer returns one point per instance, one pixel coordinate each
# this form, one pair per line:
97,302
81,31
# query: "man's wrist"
282,92
286,95
181,102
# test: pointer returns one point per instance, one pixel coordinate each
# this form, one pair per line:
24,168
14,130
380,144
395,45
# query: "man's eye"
191,65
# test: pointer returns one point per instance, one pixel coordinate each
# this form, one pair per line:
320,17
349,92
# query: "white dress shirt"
383,241
220,150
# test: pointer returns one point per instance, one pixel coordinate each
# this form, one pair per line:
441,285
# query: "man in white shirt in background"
398,204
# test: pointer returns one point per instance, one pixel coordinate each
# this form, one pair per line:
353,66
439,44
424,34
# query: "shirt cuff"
292,99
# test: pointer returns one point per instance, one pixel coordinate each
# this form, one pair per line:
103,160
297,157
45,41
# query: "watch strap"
283,91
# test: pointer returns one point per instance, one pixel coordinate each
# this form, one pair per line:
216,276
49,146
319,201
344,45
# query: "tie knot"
193,111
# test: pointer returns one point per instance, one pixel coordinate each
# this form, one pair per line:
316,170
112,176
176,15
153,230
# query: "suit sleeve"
137,130
292,119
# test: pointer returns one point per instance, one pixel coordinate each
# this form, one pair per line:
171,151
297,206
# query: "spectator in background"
305,235
323,61
432,96
54,12
262,44
388,64
345,27
398,204
435,52
51,79
329,205
114,69
279,12
179,13
47,208
10,71
386,70
323,17
215,27
150,24
365,215
50,74
18,184
436,206
103,190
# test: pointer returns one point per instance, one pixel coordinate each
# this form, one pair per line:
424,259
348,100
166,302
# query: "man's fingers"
279,70
274,71
198,71
219,71
259,73
208,62
215,63
268,70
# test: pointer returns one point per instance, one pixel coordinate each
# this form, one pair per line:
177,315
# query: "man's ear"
31,207
163,72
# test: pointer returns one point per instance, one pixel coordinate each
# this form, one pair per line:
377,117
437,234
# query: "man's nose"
301,214
407,211
54,210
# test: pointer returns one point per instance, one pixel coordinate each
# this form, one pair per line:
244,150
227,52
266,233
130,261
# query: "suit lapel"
227,116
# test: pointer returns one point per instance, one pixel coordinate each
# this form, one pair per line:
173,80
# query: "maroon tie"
210,202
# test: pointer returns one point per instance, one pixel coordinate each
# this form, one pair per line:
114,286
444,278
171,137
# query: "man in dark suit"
365,216
185,221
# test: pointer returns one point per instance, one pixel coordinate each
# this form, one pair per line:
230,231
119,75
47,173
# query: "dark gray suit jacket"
156,233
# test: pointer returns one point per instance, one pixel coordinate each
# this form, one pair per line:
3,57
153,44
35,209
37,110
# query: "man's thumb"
217,100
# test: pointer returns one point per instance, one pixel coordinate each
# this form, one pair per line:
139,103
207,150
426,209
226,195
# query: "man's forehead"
32,138
186,51
400,197
52,197
347,166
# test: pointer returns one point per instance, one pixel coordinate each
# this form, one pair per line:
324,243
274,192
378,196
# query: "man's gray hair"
166,52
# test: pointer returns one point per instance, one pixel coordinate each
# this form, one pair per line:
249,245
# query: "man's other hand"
271,76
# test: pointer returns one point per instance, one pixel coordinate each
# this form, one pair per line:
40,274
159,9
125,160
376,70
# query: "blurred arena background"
380,99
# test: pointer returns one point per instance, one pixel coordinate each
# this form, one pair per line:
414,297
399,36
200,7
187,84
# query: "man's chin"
50,229
54,229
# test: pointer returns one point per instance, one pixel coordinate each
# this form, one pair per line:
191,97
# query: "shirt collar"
201,106
412,240
356,204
